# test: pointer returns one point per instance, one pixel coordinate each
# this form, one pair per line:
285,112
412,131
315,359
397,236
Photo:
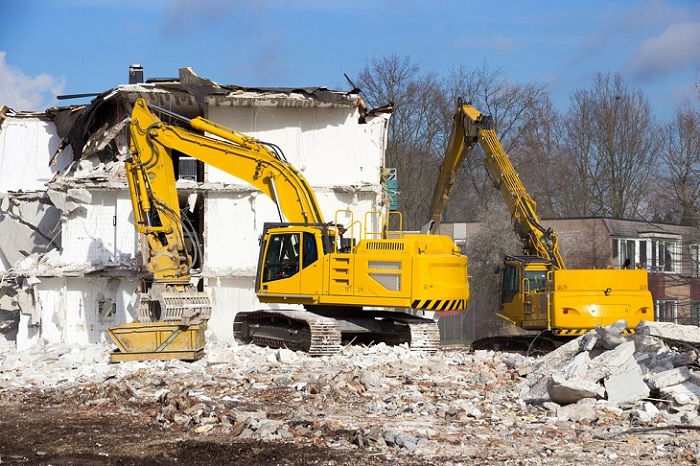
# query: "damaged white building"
68,247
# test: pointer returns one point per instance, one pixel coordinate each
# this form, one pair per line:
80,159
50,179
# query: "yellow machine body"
571,302
414,271
538,292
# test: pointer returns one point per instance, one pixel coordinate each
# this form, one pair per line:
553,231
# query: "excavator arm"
537,292
240,155
470,127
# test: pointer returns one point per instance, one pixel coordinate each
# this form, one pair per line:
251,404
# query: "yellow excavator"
355,282
538,292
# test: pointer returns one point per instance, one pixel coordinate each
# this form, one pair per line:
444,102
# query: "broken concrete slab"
606,363
669,331
683,394
577,366
583,410
669,377
626,384
611,335
646,413
566,391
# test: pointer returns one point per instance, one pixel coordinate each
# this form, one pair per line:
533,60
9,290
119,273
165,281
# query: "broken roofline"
190,96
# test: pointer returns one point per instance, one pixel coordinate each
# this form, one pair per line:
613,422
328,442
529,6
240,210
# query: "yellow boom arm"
153,188
240,155
471,127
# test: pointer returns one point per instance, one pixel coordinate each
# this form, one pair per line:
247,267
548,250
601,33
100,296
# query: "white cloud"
677,47
21,92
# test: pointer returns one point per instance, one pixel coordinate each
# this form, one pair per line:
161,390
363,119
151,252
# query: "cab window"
510,284
536,280
310,251
282,258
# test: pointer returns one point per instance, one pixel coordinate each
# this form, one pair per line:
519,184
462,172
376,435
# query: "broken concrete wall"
99,231
76,310
28,222
27,145
340,157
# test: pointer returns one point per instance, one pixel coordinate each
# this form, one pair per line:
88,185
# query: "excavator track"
425,336
321,335
422,334
528,345
297,330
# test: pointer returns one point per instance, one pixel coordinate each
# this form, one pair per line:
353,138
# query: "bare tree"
486,249
511,106
611,147
679,193
412,131
541,156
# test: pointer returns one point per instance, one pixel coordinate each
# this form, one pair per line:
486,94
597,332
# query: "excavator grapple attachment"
139,341
171,325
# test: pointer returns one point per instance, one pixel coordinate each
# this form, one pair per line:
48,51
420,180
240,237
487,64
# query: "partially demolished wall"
67,238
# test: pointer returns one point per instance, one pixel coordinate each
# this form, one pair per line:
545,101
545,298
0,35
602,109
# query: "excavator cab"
524,281
290,259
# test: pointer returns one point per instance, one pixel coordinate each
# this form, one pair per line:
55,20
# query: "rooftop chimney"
135,74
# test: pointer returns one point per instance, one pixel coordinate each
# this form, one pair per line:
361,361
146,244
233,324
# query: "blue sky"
54,47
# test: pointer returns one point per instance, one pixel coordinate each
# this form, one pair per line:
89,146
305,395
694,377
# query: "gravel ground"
245,404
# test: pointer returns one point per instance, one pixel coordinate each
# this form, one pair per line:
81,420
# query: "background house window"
695,260
660,255
633,249
695,313
666,310
665,255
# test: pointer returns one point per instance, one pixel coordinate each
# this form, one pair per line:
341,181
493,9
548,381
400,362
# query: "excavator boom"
241,155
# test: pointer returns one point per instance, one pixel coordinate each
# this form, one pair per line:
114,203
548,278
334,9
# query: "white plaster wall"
26,148
69,309
327,145
100,232
229,295
234,222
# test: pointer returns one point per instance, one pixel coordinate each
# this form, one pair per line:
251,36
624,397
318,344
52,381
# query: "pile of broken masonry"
601,397
655,366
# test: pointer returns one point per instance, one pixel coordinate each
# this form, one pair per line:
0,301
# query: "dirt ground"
50,428
460,408
44,429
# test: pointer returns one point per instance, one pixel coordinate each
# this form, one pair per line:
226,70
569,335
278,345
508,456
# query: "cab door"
281,264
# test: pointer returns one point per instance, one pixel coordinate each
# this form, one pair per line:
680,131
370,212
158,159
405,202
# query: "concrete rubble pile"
653,373
454,406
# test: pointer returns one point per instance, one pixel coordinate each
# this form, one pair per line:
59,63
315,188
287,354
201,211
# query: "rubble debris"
670,332
654,372
448,408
